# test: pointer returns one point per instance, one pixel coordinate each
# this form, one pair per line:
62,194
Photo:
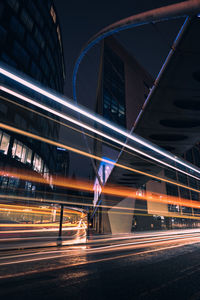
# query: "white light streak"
89,128
91,116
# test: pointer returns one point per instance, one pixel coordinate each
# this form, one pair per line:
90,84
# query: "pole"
59,242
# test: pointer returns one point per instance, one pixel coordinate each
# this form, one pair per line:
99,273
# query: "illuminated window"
29,156
37,163
46,172
18,152
23,157
53,14
21,152
4,142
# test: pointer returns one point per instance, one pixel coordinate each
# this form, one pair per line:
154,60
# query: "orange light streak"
113,190
48,141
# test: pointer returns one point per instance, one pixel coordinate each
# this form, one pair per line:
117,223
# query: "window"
4,142
14,4
8,60
29,156
2,35
170,174
38,163
18,151
44,66
113,88
26,19
50,59
1,9
184,193
35,71
35,13
20,54
32,46
172,190
20,122
17,28
3,108
21,152
182,178
39,38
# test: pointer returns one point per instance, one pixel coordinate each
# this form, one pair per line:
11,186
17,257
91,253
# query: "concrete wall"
121,219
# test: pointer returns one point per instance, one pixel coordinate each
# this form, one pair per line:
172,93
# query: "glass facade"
31,44
192,156
23,40
4,142
113,88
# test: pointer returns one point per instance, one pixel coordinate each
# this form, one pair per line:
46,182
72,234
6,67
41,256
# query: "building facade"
31,46
123,88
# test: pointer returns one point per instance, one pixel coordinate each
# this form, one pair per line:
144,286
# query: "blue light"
61,149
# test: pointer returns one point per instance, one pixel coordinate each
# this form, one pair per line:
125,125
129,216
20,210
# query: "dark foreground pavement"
160,270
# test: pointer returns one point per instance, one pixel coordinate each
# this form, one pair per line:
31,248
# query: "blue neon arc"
165,13
179,10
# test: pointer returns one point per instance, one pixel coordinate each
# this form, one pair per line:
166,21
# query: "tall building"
164,112
122,90
30,40
31,44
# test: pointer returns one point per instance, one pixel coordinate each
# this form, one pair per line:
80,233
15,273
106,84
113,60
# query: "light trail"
34,209
116,210
108,190
45,230
148,236
64,124
97,119
169,241
89,128
48,141
93,261
133,210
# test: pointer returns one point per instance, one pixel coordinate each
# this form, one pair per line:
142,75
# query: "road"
154,265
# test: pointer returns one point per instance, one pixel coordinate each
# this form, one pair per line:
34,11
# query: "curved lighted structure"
173,11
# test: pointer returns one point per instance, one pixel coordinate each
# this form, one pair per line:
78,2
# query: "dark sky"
80,20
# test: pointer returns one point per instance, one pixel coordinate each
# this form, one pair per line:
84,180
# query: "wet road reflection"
93,250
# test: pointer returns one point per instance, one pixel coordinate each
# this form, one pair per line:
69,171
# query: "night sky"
80,20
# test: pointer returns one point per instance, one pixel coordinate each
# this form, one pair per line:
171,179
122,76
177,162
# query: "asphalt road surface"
156,265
